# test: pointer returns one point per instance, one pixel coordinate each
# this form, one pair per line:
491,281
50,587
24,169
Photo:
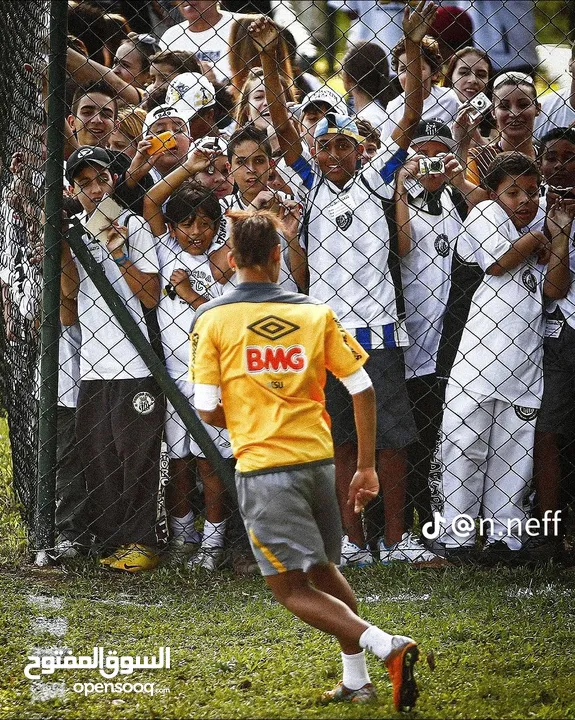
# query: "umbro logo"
272,327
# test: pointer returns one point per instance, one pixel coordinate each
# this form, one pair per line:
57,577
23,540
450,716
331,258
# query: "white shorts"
177,437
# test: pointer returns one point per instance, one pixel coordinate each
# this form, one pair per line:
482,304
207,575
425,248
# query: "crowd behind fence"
425,184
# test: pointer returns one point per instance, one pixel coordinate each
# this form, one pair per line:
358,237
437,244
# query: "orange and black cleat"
399,664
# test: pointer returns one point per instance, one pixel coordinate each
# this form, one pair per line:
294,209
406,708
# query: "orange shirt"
268,350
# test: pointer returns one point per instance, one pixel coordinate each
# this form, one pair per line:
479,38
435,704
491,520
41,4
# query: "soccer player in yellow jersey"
265,352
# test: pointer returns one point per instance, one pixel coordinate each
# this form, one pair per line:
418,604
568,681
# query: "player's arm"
364,485
266,38
205,372
416,24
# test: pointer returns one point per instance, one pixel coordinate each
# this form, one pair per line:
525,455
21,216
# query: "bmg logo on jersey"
275,358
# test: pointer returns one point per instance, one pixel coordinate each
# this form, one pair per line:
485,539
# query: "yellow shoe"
116,555
135,558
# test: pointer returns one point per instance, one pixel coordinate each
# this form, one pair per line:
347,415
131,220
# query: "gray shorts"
395,424
292,517
557,412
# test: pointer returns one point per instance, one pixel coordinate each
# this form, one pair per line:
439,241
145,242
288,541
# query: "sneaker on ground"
352,554
408,549
540,549
65,550
340,693
208,558
497,552
135,558
399,664
244,563
116,555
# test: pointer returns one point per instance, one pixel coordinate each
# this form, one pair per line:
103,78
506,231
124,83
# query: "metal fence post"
50,327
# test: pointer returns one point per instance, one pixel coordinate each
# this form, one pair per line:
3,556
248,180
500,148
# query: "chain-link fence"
422,167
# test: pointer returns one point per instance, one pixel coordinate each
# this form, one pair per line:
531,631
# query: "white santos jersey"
426,278
501,350
106,352
175,315
346,236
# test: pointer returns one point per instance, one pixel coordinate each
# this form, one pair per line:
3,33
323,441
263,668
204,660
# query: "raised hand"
180,280
417,22
116,236
560,218
264,33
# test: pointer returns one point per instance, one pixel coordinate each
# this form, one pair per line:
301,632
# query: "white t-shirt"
106,352
375,114
426,279
501,350
210,45
175,315
346,235
442,104
556,111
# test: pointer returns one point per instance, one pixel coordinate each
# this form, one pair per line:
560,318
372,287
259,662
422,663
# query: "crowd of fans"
430,206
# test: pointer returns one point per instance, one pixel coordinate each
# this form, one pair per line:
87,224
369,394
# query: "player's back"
272,348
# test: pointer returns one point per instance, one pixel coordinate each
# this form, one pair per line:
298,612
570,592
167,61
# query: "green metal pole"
156,367
50,327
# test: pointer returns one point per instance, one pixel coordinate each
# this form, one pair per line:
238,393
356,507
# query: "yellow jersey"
268,350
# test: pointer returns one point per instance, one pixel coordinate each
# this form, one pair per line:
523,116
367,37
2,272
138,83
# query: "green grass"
13,536
502,639
502,643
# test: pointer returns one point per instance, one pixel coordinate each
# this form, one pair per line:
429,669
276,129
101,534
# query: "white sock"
381,643
355,674
214,534
184,526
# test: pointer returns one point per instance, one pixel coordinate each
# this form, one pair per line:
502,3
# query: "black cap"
87,155
428,130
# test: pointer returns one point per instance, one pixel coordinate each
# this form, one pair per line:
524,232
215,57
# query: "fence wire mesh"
423,174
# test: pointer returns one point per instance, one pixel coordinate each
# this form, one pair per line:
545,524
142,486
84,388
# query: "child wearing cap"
429,214
120,407
185,231
351,268
495,387
194,95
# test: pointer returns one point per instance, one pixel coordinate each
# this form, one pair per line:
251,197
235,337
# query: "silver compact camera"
431,166
480,104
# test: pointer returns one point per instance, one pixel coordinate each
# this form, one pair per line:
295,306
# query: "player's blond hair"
253,236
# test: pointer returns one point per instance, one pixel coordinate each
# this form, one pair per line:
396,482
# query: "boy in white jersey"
429,217
555,421
120,407
346,238
185,230
250,157
496,383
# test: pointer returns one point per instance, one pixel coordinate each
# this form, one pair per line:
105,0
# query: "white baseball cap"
325,95
164,111
190,92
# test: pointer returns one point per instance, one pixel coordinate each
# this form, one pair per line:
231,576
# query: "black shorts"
395,425
557,412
